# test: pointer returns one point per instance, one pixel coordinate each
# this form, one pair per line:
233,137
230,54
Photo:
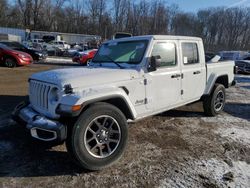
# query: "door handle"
175,76
197,72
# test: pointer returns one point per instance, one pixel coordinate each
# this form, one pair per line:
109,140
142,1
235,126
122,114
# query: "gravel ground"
178,148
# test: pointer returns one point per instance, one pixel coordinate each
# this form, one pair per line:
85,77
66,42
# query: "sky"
195,5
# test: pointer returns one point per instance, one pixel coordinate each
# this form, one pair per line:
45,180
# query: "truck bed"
221,68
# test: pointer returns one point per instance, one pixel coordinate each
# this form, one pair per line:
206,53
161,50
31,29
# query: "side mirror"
155,61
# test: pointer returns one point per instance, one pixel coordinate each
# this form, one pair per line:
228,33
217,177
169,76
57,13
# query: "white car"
62,45
38,41
127,80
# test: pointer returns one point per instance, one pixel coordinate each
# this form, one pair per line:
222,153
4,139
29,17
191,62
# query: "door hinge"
145,81
182,75
182,92
145,101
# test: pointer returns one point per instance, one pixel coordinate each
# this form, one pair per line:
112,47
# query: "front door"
163,86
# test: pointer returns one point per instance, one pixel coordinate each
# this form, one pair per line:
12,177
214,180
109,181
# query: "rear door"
193,70
163,86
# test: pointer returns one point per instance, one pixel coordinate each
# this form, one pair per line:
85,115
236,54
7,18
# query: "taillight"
235,69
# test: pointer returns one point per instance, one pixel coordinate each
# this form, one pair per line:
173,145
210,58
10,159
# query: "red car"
84,57
12,58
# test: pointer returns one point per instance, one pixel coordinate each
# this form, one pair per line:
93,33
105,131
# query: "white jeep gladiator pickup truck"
128,79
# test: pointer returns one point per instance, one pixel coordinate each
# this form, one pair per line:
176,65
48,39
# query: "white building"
68,37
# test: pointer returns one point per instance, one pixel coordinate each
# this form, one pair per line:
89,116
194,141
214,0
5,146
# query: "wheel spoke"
98,124
217,105
91,139
113,140
92,149
100,148
110,126
114,131
109,149
90,130
104,122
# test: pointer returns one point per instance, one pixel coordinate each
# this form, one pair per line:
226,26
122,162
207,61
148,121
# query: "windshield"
3,46
121,52
14,45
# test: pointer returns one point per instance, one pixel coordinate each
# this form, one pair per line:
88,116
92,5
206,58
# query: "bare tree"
25,7
220,28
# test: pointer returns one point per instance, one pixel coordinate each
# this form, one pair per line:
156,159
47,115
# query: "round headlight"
54,94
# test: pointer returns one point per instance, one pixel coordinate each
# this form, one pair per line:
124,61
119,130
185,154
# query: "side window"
167,51
190,53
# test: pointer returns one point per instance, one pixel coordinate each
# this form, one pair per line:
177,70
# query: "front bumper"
76,59
43,56
25,62
39,126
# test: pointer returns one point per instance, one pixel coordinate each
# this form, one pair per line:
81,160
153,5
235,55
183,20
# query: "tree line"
221,28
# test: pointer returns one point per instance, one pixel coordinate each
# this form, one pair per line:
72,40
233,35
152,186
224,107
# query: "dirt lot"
179,148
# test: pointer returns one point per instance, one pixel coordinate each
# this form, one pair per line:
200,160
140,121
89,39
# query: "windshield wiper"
111,60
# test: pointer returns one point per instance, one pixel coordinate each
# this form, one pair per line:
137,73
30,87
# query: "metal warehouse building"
68,37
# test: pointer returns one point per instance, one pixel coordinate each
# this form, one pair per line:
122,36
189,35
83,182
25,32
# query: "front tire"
215,102
88,62
99,137
10,62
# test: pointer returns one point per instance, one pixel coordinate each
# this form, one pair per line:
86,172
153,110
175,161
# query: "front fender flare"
90,96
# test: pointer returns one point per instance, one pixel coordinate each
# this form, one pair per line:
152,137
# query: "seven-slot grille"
39,94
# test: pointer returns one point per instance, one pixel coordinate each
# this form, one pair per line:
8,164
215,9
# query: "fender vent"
125,89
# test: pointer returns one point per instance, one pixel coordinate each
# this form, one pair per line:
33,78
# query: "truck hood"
84,77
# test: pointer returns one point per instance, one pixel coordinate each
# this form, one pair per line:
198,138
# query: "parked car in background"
62,45
39,41
50,49
243,65
12,58
119,35
84,57
33,46
73,52
37,55
233,55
